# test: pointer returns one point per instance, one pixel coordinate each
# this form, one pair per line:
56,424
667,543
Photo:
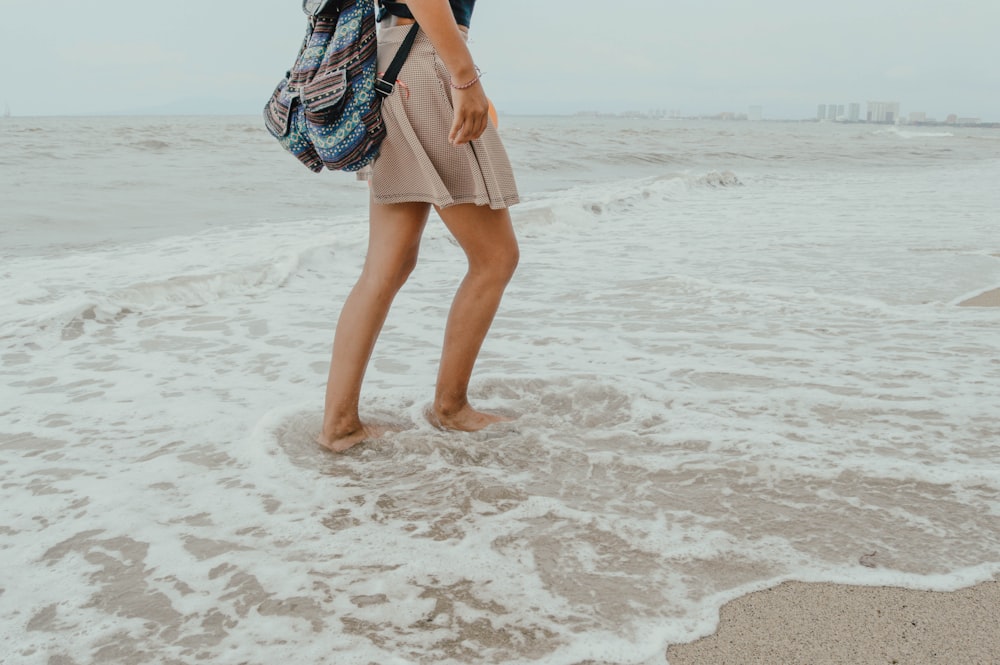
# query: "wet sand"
987,299
829,623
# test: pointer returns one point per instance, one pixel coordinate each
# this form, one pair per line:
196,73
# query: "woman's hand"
472,114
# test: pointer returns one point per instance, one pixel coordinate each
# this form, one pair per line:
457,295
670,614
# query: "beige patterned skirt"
416,162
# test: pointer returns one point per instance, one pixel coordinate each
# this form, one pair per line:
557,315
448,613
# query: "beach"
754,368
824,623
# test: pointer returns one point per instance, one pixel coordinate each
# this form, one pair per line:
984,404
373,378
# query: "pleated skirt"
416,162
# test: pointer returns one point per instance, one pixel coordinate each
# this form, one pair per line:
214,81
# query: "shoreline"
825,623
989,298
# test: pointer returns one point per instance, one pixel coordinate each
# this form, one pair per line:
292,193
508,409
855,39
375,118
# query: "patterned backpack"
326,110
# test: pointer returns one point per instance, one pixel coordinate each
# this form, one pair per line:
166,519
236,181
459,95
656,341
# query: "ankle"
449,407
337,428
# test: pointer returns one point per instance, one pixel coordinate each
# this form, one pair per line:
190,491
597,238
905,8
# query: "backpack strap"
321,7
385,85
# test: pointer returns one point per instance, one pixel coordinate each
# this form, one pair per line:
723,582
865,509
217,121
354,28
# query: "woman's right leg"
393,242
487,237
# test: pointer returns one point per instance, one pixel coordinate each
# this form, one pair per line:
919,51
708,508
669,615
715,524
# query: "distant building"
854,112
755,113
967,121
821,112
840,112
887,112
917,116
831,111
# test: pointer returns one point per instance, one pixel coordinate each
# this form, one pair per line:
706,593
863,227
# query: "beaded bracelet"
471,83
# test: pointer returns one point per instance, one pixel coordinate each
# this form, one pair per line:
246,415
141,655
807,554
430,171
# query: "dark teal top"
462,9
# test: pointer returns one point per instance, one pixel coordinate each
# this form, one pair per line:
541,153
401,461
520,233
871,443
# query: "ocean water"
735,351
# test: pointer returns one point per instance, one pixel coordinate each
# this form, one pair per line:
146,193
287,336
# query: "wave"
67,314
150,144
569,205
631,157
913,134
716,179
107,288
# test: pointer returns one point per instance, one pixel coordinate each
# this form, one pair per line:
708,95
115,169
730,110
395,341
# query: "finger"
456,128
476,129
464,128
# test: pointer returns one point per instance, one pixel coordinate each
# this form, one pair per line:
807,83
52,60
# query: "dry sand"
987,299
818,624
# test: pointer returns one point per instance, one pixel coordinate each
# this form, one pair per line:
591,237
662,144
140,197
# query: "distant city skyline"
849,112
887,112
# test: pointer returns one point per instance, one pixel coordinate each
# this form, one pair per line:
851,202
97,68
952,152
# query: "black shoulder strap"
385,85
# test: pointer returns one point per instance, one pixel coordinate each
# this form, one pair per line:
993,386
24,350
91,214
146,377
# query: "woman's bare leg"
488,239
393,242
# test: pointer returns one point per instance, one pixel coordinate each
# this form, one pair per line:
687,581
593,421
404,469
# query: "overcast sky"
540,56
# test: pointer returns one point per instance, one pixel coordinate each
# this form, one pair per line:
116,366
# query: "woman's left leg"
488,239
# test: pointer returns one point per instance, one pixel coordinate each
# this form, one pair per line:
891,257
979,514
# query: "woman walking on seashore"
440,150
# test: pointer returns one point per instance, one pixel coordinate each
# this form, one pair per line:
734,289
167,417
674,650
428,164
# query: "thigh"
394,232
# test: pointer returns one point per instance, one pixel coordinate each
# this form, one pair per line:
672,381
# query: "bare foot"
465,419
346,441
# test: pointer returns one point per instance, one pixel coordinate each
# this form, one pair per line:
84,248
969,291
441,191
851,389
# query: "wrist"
462,83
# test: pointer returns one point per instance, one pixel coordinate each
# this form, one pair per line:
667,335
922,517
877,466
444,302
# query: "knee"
405,267
499,265
511,259
386,280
